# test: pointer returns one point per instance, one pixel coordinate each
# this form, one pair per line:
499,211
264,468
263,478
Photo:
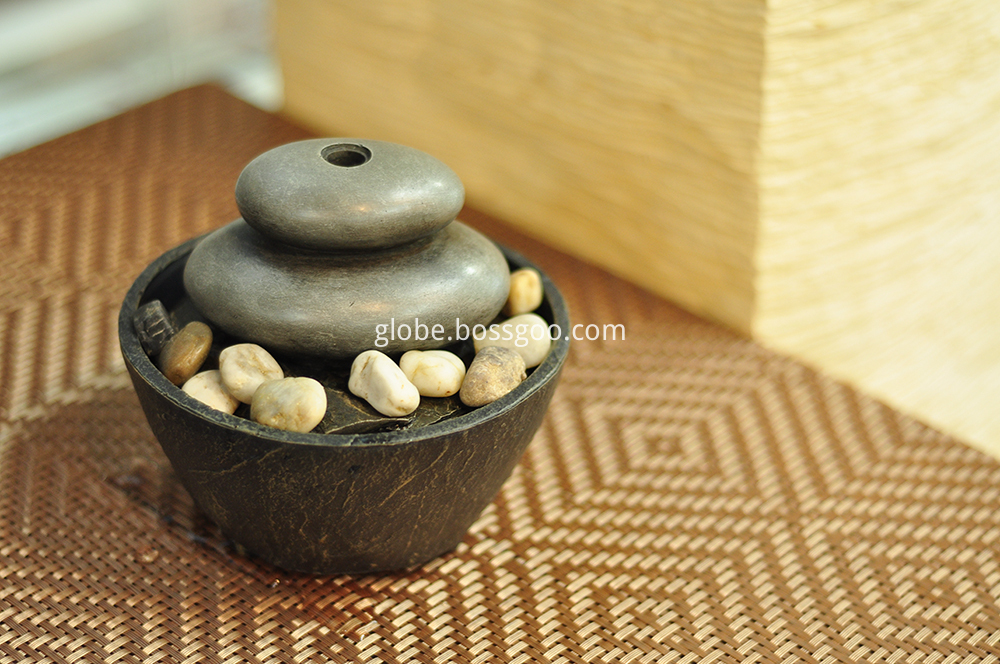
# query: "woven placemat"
691,496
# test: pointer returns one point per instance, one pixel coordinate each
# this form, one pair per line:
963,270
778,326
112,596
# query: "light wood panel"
824,175
878,246
608,128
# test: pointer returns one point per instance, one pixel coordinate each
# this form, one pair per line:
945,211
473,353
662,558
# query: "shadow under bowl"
337,503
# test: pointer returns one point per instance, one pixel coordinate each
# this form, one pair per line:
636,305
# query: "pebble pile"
248,374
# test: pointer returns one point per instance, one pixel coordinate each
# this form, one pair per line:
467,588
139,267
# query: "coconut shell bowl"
371,492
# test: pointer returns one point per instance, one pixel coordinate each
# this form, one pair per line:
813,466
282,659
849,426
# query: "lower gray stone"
338,305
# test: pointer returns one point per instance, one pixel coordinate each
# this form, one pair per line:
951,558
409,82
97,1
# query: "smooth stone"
185,312
185,352
307,303
435,373
494,372
526,292
291,404
349,414
244,367
207,388
379,381
153,326
528,334
337,194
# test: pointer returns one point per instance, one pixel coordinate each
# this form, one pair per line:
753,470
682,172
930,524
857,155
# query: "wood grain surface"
878,252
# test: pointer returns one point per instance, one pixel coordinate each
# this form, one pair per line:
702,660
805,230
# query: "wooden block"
878,246
609,129
822,175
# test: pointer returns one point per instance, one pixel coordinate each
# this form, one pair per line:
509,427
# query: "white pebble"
376,379
244,367
525,292
528,334
435,373
292,404
207,388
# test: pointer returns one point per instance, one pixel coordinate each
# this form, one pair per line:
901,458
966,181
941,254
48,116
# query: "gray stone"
333,305
494,372
341,194
153,327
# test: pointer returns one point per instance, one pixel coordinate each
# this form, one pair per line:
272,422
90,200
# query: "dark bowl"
329,503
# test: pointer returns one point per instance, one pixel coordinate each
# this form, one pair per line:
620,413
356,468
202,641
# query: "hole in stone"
346,154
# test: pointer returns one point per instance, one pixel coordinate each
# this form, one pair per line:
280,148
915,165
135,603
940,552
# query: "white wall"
65,64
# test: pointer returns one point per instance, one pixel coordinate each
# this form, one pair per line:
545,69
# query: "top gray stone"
342,194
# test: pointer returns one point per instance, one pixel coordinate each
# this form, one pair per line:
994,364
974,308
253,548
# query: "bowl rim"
136,357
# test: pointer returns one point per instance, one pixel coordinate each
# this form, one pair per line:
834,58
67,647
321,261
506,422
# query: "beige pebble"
292,404
207,388
379,381
494,372
435,373
244,367
528,334
525,292
186,351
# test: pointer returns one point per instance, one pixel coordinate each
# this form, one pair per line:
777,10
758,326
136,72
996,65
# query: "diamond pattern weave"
691,496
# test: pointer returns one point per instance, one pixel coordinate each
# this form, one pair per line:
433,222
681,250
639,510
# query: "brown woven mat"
691,497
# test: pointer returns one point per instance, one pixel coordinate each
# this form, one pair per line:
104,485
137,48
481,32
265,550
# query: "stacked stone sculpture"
339,236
